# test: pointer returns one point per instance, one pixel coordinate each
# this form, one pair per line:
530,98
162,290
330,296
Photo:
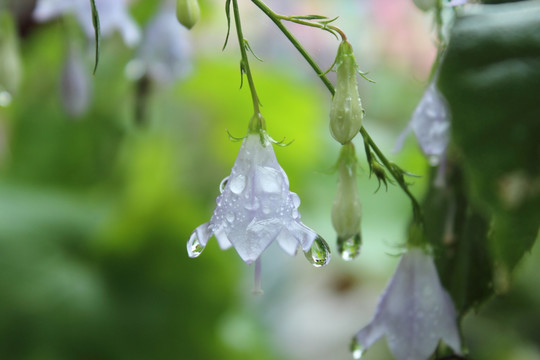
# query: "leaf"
458,233
491,78
97,32
228,14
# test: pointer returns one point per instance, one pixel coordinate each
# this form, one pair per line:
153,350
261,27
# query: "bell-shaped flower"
347,210
165,52
75,84
113,15
256,208
414,313
430,123
346,113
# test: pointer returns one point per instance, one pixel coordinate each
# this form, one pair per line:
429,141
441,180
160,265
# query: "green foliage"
492,85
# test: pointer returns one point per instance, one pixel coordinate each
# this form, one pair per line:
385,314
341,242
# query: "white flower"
113,15
255,207
414,313
430,123
165,51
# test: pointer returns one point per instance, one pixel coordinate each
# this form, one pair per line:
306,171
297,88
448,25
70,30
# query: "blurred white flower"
113,15
255,207
165,51
414,313
430,123
75,84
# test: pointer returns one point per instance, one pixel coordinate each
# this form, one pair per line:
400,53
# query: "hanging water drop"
194,246
237,184
223,184
230,216
357,349
319,253
349,248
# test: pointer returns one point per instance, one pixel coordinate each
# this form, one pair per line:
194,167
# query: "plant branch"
396,172
245,61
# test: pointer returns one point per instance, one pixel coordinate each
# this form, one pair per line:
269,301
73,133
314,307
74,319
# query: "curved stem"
245,61
396,173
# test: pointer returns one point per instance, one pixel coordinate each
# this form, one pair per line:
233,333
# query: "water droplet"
238,184
295,200
223,184
357,349
319,253
295,214
266,210
349,248
194,246
230,217
269,179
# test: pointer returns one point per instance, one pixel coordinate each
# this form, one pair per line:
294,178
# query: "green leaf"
228,14
491,78
458,233
97,32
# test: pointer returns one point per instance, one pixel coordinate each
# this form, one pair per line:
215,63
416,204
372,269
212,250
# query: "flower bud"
10,63
346,113
75,89
346,211
188,12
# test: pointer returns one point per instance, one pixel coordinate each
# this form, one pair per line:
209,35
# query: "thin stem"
398,176
245,61
257,289
275,19
326,27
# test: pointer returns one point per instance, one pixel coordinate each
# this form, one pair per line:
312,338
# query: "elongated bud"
347,211
10,63
188,12
346,113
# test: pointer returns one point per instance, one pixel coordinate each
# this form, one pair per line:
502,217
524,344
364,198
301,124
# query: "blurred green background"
95,211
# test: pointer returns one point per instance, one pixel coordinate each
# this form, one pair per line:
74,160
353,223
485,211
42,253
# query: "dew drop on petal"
349,248
194,246
238,184
223,184
230,216
269,179
357,349
319,253
295,200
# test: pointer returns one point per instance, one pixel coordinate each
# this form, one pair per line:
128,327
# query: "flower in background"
165,52
414,313
75,84
10,61
430,123
113,15
256,208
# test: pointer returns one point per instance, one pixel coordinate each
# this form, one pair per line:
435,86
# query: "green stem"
275,19
398,176
245,62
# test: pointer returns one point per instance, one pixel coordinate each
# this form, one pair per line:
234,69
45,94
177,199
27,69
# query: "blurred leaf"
491,79
458,233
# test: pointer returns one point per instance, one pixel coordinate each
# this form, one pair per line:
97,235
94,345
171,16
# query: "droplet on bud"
357,349
319,253
194,246
349,248
223,184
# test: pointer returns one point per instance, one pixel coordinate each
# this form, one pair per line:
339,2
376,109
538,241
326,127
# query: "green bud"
188,12
346,113
10,62
347,211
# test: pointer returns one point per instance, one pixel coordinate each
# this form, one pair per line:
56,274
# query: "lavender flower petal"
414,313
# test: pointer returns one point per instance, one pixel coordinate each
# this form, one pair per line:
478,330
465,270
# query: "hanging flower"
414,313
75,84
113,15
165,52
256,208
430,123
